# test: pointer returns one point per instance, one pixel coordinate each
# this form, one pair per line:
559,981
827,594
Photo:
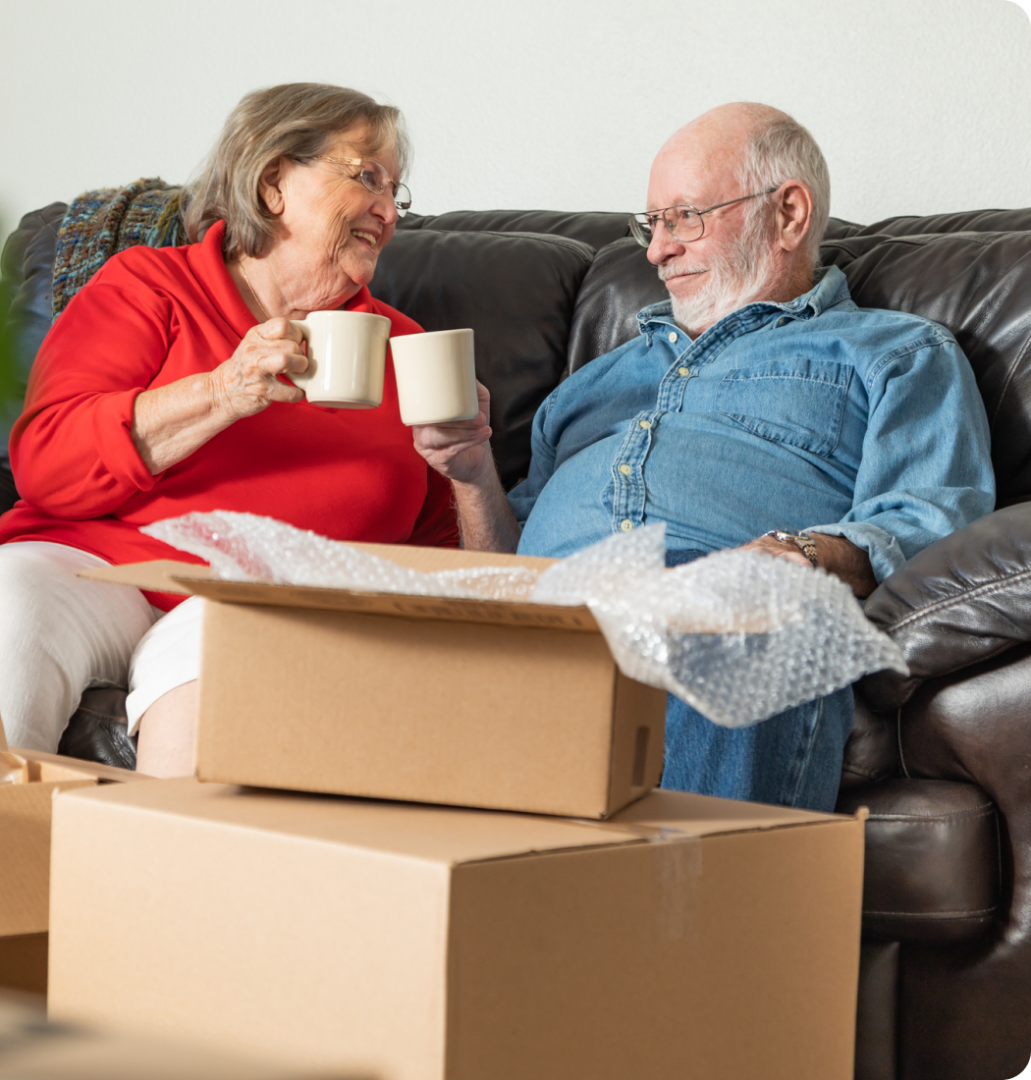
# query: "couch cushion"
620,282
932,867
963,600
516,291
977,285
872,749
595,229
996,221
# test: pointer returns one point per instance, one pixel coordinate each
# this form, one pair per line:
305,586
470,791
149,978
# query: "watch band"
803,541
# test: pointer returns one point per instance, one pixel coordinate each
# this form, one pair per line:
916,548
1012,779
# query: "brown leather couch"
942,758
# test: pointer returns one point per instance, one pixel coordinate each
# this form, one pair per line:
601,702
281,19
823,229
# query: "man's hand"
459,450
834,554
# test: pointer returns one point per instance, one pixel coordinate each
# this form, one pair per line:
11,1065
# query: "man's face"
733,261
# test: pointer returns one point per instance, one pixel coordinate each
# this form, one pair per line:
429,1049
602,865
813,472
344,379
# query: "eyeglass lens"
375,178
683,223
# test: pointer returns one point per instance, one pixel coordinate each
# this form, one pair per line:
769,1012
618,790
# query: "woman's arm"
81,447
172,421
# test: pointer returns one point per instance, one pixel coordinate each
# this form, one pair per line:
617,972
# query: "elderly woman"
164,388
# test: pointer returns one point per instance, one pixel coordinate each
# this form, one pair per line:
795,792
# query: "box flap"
166,575
154,576
446,835
25,810
48,767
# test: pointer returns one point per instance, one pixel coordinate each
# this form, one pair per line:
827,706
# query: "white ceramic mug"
347,352
436,376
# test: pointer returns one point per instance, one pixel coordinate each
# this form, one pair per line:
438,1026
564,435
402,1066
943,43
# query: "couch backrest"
546,292
516,290
977,284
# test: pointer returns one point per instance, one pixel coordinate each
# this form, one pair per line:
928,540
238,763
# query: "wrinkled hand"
772,546
247,382
460,450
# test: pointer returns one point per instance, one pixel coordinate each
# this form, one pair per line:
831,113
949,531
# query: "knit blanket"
102,222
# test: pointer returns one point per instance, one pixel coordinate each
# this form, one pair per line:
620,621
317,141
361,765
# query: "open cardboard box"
685,937
28,781
502,705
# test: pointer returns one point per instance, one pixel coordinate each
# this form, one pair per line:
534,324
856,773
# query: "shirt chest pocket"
798,402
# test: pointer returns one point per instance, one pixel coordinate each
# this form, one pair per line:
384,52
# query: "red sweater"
151,317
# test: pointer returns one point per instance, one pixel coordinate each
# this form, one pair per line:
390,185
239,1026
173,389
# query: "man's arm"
925,472
461,452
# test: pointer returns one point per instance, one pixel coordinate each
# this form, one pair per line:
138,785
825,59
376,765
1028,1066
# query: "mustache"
675,269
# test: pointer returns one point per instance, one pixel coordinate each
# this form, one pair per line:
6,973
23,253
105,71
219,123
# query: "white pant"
61,635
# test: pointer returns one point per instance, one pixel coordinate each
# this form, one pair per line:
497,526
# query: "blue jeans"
793,759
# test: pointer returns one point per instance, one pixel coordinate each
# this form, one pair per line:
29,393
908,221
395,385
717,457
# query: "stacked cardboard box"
28,782
637,935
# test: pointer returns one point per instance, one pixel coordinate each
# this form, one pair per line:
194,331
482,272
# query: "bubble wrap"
739,635
246,547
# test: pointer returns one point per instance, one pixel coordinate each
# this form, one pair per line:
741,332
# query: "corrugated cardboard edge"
186,579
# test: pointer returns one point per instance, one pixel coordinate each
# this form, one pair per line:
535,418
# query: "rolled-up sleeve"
72,451
926,468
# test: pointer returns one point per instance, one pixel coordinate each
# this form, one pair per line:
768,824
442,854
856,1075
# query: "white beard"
731,280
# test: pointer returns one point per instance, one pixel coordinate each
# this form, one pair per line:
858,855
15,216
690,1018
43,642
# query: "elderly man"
759,407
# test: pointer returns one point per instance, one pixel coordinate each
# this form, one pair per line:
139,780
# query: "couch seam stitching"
948,601
958,913
938,819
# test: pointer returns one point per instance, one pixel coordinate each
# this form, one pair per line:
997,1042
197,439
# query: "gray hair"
780,149
296,121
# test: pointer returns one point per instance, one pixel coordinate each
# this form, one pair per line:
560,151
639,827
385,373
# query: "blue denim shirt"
812,415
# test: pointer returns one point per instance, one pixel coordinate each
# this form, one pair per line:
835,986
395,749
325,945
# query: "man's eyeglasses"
684,223
374,177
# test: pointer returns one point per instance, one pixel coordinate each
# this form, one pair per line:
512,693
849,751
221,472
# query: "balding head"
742,151
722,135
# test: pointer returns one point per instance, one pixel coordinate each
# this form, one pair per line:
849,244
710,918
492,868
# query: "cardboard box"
687,937
25,808
32,1049
508,706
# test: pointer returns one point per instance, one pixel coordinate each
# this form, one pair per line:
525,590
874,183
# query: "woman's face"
331,228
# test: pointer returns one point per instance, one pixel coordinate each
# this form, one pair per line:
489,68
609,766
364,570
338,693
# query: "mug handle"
299,378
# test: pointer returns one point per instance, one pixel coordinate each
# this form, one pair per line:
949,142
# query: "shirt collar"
830,287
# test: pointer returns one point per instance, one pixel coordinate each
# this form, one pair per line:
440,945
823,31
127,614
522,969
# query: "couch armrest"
961,601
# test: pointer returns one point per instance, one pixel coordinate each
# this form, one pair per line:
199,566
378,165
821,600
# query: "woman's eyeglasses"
374,177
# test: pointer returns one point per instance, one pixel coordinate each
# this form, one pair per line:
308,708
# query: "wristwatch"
803,541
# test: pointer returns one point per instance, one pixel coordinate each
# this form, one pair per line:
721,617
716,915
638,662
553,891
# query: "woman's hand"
459,450
247,382
171,422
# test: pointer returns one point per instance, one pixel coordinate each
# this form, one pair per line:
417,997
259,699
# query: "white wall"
920,105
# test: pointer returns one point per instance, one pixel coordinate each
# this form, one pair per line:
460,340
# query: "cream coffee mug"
347,353
436,376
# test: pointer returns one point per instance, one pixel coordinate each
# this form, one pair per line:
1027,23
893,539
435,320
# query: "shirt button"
673,336
645,424
782,322
625,470
626,524
683,371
